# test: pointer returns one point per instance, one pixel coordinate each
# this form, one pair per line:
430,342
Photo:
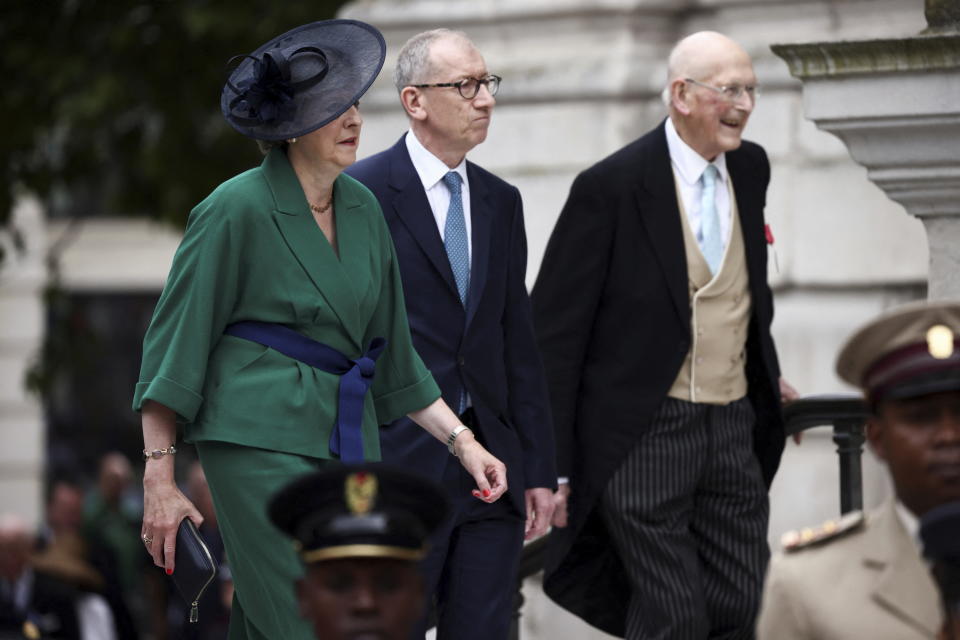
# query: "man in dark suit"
653,316
461,247
35,602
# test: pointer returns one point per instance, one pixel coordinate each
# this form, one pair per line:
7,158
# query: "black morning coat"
612,315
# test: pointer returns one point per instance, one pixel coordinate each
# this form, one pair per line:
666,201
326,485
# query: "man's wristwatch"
457,430
156,454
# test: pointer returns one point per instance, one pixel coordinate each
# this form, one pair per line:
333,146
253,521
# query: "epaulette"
829,530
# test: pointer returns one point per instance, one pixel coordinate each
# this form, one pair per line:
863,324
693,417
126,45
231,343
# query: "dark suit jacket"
487,348
51,607
612,313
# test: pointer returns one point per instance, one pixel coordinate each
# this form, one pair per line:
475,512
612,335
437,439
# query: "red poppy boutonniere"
768,233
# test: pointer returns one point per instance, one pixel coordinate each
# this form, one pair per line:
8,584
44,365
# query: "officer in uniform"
360,531
39,592
864,576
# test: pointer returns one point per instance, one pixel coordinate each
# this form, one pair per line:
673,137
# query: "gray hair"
413,62
266,146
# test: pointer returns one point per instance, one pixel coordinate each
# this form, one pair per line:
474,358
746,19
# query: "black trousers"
470,570
688,513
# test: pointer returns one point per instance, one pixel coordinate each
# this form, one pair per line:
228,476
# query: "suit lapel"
480,221
751,215
657,201
308,244
888,548
411,206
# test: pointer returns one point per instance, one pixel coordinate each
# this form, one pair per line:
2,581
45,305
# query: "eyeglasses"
731,92
468,87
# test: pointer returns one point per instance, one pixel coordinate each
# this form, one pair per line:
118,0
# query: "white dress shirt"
688,167
431,171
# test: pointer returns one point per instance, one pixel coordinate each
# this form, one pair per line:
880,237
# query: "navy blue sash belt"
356,376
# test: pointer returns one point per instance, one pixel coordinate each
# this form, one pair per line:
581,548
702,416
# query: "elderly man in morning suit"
864,577
462,252
653,316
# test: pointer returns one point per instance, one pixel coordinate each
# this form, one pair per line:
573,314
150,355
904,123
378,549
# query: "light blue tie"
455,237
458,251
712,243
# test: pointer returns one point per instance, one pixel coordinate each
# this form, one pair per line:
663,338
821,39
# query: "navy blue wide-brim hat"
368,510
303,79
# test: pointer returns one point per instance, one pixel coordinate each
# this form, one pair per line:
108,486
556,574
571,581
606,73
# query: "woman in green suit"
280,341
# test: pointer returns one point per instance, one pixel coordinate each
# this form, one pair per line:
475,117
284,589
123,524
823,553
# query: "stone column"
22,278
895,104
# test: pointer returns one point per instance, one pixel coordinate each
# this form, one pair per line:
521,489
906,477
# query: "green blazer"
253,251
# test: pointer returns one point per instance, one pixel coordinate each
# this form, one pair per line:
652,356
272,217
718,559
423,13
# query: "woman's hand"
488,472
164,507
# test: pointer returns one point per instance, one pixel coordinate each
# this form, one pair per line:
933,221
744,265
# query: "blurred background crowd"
86,566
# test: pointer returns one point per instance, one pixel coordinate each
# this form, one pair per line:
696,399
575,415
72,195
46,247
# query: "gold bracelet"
156,454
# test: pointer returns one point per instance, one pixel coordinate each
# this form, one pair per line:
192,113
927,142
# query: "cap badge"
940,341
31,631
360,492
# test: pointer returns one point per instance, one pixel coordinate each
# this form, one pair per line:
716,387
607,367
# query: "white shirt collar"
688,163
909,521
430,168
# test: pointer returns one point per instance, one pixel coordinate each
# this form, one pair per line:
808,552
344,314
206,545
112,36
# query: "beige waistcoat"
713,371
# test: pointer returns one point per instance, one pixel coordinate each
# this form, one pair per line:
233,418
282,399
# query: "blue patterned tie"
712,243
455,237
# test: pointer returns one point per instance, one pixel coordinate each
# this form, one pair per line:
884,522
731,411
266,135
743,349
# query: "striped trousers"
687,512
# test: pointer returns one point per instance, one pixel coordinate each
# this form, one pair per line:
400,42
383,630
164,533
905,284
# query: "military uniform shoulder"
827,532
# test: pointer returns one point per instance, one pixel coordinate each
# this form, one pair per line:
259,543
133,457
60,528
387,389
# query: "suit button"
461,361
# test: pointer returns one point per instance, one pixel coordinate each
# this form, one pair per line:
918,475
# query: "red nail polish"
486,493
169,572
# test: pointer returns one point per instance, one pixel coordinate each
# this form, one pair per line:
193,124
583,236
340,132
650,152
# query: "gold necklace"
318,209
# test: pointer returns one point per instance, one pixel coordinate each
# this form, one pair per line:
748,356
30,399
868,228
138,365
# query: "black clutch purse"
196,567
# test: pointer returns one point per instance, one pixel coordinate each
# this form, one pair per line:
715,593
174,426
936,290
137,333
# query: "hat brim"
355,52
934,382
376,551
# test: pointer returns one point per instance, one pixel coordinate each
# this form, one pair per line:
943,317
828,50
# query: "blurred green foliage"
112,107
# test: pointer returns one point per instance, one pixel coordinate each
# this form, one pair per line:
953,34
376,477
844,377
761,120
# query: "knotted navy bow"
356,376
268,94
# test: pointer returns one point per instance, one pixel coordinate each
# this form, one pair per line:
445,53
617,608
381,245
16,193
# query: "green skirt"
262,560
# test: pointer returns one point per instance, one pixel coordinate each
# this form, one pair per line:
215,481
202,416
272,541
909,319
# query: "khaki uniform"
868,582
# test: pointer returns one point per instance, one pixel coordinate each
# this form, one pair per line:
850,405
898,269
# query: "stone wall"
582,78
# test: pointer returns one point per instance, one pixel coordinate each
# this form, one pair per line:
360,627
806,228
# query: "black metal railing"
847,413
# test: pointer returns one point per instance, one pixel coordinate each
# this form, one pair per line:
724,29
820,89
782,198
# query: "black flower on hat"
302,79
266,94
